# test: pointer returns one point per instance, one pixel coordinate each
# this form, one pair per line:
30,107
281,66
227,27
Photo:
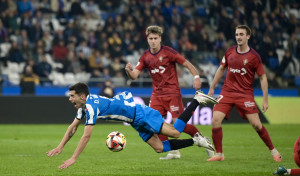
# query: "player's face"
154,41
241,37
76,99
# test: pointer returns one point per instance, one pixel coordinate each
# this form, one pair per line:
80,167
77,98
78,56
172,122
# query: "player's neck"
155,50
243,48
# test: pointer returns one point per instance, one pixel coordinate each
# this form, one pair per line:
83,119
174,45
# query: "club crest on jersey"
245,61
160,58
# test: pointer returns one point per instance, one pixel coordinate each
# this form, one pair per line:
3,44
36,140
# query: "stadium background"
49,45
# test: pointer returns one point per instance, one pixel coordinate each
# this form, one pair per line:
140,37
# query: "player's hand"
265,106
56,151
128,67
197,84
67,163
211,92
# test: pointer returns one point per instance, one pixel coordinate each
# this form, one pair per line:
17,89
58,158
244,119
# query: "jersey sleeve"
259,67
91,114
176,57
141,63
224,61
80,114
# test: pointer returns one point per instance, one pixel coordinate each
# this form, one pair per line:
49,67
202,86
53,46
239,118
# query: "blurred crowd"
59,42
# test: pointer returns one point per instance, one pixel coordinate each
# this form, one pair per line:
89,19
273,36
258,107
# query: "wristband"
197,76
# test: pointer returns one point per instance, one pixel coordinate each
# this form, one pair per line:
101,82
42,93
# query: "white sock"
288,172
274,152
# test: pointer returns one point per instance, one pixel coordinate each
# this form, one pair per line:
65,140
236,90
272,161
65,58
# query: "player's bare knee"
176,134
158,150
256,127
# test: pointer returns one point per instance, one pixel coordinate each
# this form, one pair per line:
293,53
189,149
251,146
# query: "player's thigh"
297,152
223,108
254,121
157,103
169,130
155,143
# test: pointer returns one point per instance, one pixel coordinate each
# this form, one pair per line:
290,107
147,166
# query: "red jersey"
240,72
162,68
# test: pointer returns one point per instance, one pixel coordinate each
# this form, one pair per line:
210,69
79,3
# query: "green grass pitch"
23,152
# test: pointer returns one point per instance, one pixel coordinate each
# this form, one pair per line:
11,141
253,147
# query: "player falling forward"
147,121
242,63
283,171
166,96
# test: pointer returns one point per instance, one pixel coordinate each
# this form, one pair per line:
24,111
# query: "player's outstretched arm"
69,133
132,74
83,141
219,74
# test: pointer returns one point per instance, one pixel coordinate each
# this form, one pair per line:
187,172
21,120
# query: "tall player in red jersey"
161,64
242,62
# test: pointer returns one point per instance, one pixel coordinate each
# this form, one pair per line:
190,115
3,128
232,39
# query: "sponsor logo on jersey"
160,69
242,71
249,104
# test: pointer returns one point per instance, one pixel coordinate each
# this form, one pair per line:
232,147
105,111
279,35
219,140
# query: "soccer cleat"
217,157
204,99
203,142
280,171
173,154
209,152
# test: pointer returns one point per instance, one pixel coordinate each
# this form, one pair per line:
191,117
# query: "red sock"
190,129
295,171
264,135
162,137
217,136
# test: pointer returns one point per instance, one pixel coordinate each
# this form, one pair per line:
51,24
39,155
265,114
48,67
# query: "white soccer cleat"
173,154
209,152
203,142
202,98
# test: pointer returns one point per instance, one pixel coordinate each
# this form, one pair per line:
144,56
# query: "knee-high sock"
162,137
295,171
180,123
264,135
175,144
217,136
190,129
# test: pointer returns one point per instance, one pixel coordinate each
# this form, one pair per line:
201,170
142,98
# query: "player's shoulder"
231,49
169,50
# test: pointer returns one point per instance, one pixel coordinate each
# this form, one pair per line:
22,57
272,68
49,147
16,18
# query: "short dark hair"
247,28
80,88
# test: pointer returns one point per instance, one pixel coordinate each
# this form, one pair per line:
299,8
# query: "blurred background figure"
28,81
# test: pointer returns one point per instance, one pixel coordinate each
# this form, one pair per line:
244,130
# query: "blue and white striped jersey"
121,108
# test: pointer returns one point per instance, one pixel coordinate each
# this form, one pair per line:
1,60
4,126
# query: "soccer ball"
115,141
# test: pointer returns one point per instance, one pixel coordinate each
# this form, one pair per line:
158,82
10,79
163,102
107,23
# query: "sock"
166,145
294,171
264,135
180,123
190,129
162,137
180,143
217,136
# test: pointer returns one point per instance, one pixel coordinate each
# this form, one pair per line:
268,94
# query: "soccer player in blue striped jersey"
147,121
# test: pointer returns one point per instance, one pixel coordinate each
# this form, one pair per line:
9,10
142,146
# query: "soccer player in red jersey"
283,171
161,64
242,62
